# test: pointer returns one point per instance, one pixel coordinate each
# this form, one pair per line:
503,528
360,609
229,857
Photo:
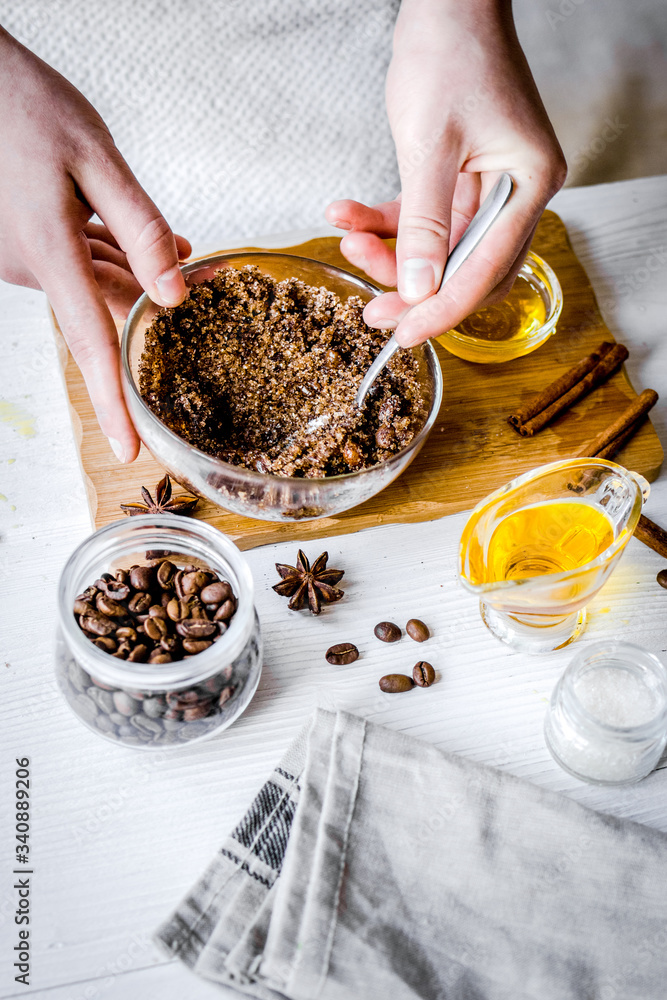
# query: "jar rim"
144,531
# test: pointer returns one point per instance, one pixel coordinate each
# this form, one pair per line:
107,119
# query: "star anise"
305,583
164,503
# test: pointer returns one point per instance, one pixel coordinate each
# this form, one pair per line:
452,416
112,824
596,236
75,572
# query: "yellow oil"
501,332
516,317
553,537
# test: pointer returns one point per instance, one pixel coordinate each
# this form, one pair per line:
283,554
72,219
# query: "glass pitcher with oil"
537,550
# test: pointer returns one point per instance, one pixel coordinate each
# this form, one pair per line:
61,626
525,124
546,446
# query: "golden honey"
552,537
516,317
519,324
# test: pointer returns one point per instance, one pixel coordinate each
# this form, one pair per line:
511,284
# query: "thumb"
136,224
424,225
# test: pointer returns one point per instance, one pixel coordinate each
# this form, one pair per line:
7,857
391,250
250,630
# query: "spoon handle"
482,220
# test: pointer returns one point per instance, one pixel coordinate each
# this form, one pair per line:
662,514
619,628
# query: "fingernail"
417,278
383,323
170,286
118,449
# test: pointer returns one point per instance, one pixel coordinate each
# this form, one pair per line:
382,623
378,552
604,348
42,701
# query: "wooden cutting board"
471,450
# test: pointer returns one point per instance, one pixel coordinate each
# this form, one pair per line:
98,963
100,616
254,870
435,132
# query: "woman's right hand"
59,166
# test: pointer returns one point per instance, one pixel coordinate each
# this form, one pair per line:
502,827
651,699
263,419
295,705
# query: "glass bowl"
153,706
244,491
541,281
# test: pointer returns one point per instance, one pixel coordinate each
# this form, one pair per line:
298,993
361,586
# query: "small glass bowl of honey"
516,326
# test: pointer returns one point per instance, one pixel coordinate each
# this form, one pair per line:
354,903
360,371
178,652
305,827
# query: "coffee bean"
117,590
225,611
417,630
172,725
423,674
86,708
662,578
141,577
342,653
157,611
165,575
216,593
388,632
97,624
199,711
139,654
106,643
196,628
193,646
225,695
103,699
193,582
99,684
108,606
158,553
126,633
82,607
78,677
395,683
140,603
125,704
146,725
104,724
160,656
153,630
153,707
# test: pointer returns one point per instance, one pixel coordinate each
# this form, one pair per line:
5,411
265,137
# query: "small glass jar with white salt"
607,720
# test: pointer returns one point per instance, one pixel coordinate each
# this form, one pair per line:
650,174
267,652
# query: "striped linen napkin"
372,865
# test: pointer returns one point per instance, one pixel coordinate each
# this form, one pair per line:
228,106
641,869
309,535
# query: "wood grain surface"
471,450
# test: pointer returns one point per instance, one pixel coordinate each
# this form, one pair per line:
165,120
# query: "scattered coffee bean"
662,578
395,683
423,674
342,653
417,630
388,632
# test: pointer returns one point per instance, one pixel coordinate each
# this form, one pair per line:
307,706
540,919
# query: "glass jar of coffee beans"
158,640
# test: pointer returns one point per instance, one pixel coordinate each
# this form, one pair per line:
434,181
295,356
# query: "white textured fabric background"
243,117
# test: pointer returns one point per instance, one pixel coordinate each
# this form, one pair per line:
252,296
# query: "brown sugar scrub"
263,374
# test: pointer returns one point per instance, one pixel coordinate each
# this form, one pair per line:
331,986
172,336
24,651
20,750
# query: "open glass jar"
154,705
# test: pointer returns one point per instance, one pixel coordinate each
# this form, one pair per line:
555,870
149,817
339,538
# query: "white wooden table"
117,835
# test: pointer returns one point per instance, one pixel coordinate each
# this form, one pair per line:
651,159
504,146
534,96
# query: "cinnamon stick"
652,534
606,443
611,361
620,442
556,389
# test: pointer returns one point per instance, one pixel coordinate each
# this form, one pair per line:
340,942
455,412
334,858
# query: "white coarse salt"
616,696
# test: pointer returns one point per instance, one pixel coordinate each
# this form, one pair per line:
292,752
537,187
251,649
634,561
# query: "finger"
386,311
368,252
140,230
423,239
119,287
486,267
183,247
67,276
99,250
380,219
95,231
